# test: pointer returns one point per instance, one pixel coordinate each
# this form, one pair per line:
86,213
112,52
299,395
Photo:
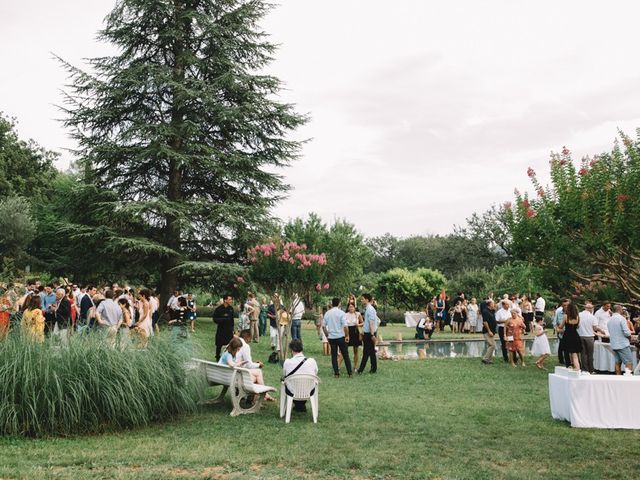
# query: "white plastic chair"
300,385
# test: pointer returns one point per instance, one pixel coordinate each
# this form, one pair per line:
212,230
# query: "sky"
422,112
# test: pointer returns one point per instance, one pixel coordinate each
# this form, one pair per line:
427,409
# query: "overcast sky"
422,111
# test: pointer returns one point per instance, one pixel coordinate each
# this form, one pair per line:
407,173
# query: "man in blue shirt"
369,329
619,335
48,306
335,328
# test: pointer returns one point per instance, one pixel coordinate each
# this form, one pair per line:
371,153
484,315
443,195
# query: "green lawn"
438,418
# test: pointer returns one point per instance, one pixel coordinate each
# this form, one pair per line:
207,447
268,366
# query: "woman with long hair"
527,312
228,358
144,326
354,322
569,328
32,323
127,321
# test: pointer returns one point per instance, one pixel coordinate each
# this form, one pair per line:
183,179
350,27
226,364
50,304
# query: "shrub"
91,386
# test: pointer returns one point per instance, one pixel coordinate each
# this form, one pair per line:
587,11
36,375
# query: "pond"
452,348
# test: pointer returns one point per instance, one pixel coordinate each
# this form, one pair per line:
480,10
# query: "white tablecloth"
595,401
411,319
604,360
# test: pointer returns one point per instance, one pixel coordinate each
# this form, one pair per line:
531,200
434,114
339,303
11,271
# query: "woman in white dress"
540,344
474,318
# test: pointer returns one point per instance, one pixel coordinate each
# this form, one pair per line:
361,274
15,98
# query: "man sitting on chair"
298,363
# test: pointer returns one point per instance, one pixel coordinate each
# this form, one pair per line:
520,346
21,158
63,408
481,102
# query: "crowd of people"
463,315
121,312
338,329
576,331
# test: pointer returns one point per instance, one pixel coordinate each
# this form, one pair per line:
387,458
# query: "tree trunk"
171,238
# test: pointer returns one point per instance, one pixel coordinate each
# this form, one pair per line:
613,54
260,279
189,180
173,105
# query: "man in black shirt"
223,317
489,325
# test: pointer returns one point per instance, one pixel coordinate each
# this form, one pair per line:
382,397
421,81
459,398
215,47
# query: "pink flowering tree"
288,272
583,227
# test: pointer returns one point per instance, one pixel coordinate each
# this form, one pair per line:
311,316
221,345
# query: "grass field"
437,418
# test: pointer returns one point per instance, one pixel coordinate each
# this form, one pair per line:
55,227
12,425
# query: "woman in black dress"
354,322
570,337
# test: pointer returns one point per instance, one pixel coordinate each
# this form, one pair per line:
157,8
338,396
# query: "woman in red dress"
514,330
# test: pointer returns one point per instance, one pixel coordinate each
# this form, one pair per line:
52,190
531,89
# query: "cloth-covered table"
604,360
411,319
594,401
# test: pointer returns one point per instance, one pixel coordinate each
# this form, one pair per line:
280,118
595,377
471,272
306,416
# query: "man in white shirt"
172,304
587,328
603,315
154,305
502,316
539,307
298,364
296,318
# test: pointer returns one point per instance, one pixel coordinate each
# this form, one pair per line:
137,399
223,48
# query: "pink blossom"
525,203
531,213
593,162
531,172
583,171
562,162
565,152
623,198
507,205
318,287
541,192
326,286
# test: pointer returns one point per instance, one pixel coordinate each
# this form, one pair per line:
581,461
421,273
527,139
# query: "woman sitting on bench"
228,358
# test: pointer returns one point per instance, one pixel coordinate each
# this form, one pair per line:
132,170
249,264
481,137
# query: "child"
323,337
540,344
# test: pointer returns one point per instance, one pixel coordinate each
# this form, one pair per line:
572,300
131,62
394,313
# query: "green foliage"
410,289
17,230
25,168
449,254
343,245
385,253
513,277
91,386
184,132
488,229
581,228
17,227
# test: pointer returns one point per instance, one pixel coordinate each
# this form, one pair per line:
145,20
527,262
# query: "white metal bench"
240,382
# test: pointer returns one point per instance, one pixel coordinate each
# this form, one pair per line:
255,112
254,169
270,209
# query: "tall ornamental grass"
91,386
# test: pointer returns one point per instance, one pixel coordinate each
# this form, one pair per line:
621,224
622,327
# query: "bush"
90,386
